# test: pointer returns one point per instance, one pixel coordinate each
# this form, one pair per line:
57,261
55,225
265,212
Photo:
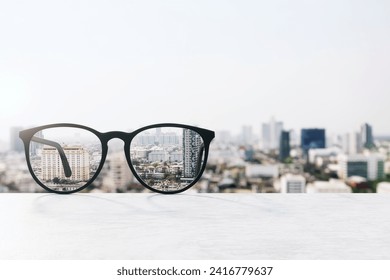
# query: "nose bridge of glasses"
124,136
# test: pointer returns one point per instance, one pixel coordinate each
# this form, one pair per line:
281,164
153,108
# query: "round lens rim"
28,134
206,136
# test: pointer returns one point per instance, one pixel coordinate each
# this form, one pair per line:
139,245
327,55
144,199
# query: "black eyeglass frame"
126,137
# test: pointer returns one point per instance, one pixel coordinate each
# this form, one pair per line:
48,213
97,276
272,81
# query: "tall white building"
52,167
270,135
370,166
290,183
352,143
247,135
355,142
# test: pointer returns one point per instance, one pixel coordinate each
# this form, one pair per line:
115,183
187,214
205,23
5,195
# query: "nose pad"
115,145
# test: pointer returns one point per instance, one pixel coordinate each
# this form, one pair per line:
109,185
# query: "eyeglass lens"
164,158
65,158
167,158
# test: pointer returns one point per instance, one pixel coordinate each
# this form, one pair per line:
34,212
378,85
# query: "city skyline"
246,135
219,64
166,160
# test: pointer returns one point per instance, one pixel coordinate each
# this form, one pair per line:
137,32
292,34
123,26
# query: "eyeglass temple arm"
65,162
199,161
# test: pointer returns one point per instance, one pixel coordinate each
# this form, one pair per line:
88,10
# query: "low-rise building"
326,153
369,166
261,170
158,155
331,186
290,183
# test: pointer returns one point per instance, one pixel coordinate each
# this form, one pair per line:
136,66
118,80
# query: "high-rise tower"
192,143
367,137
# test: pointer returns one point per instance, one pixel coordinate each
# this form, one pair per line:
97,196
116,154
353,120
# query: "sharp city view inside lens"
65,158
167,158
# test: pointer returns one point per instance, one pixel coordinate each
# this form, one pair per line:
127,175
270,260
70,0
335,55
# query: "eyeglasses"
166,158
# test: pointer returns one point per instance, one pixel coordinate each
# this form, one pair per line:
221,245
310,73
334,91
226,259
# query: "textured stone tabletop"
195,226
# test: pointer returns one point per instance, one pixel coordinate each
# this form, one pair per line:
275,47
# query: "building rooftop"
332,185
356,179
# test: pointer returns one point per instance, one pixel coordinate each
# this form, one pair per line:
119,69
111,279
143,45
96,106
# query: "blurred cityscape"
265,159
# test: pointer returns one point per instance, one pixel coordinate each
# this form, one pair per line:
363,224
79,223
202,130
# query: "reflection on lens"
167,158
64,158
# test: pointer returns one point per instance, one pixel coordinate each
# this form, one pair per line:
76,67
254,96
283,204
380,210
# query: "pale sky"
119,65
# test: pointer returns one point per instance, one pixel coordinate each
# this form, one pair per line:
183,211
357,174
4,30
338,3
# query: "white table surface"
195,226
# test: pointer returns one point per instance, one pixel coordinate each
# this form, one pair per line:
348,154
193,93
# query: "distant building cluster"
158,138
310,161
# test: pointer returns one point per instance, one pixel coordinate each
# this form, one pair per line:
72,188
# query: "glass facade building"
284,146
313,138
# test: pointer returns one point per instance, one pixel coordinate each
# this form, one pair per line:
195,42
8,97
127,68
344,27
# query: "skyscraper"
246,135
270,134
352,143
366,136
284,146
312,138
192,143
